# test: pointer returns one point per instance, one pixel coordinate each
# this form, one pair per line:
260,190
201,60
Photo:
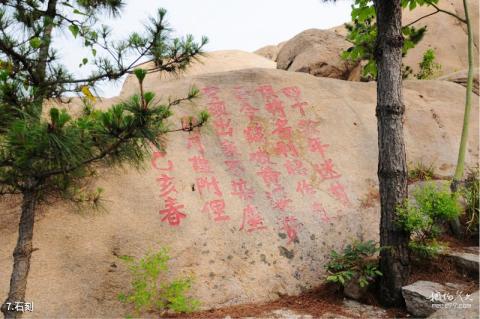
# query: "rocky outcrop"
466,263
270,51
460,77
250,205
316,52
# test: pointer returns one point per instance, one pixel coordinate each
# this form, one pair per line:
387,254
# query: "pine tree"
387,51
45,151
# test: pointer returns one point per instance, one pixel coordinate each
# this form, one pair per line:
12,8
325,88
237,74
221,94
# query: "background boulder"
270,51
316,52
460,77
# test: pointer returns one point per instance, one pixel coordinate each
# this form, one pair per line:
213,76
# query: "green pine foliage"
44,146
49,151
149,294
355,261
429,69
424,218
362,33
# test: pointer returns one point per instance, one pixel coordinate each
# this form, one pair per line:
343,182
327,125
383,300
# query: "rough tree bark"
21,255
392,167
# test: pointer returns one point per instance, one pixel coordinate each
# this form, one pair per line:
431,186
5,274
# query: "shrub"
429,69
148,294
423,218
420,172
470,193
356,261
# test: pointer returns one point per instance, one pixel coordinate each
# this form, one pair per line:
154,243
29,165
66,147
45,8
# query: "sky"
229,24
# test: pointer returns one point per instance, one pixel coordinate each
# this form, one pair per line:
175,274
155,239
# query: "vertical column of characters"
252,219
206,181
173,213
283,146
325,170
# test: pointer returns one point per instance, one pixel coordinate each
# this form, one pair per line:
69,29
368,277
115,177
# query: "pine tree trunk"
392,168
21,255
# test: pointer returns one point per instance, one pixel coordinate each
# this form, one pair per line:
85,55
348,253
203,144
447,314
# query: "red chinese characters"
326,170
229,149
252,220
254,133
294,94
269,176
279,199
173,212
319,209
242,95
315,146
209,184
223,127
295,167
308,128
291,227
166,185
159,155
194,142
286,149
217,207
283,131
261,157
241,190
304,188
273,104
200,164
337,191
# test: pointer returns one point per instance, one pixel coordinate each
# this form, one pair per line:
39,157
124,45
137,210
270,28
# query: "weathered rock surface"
210,62
267,198
460,77
270,51
466,263
316,52
445,34
418,297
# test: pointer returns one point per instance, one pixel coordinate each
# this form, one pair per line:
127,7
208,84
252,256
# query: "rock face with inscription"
250,205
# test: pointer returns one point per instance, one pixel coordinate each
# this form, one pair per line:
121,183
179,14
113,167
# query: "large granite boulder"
460,77
270,51
251,204
316,52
